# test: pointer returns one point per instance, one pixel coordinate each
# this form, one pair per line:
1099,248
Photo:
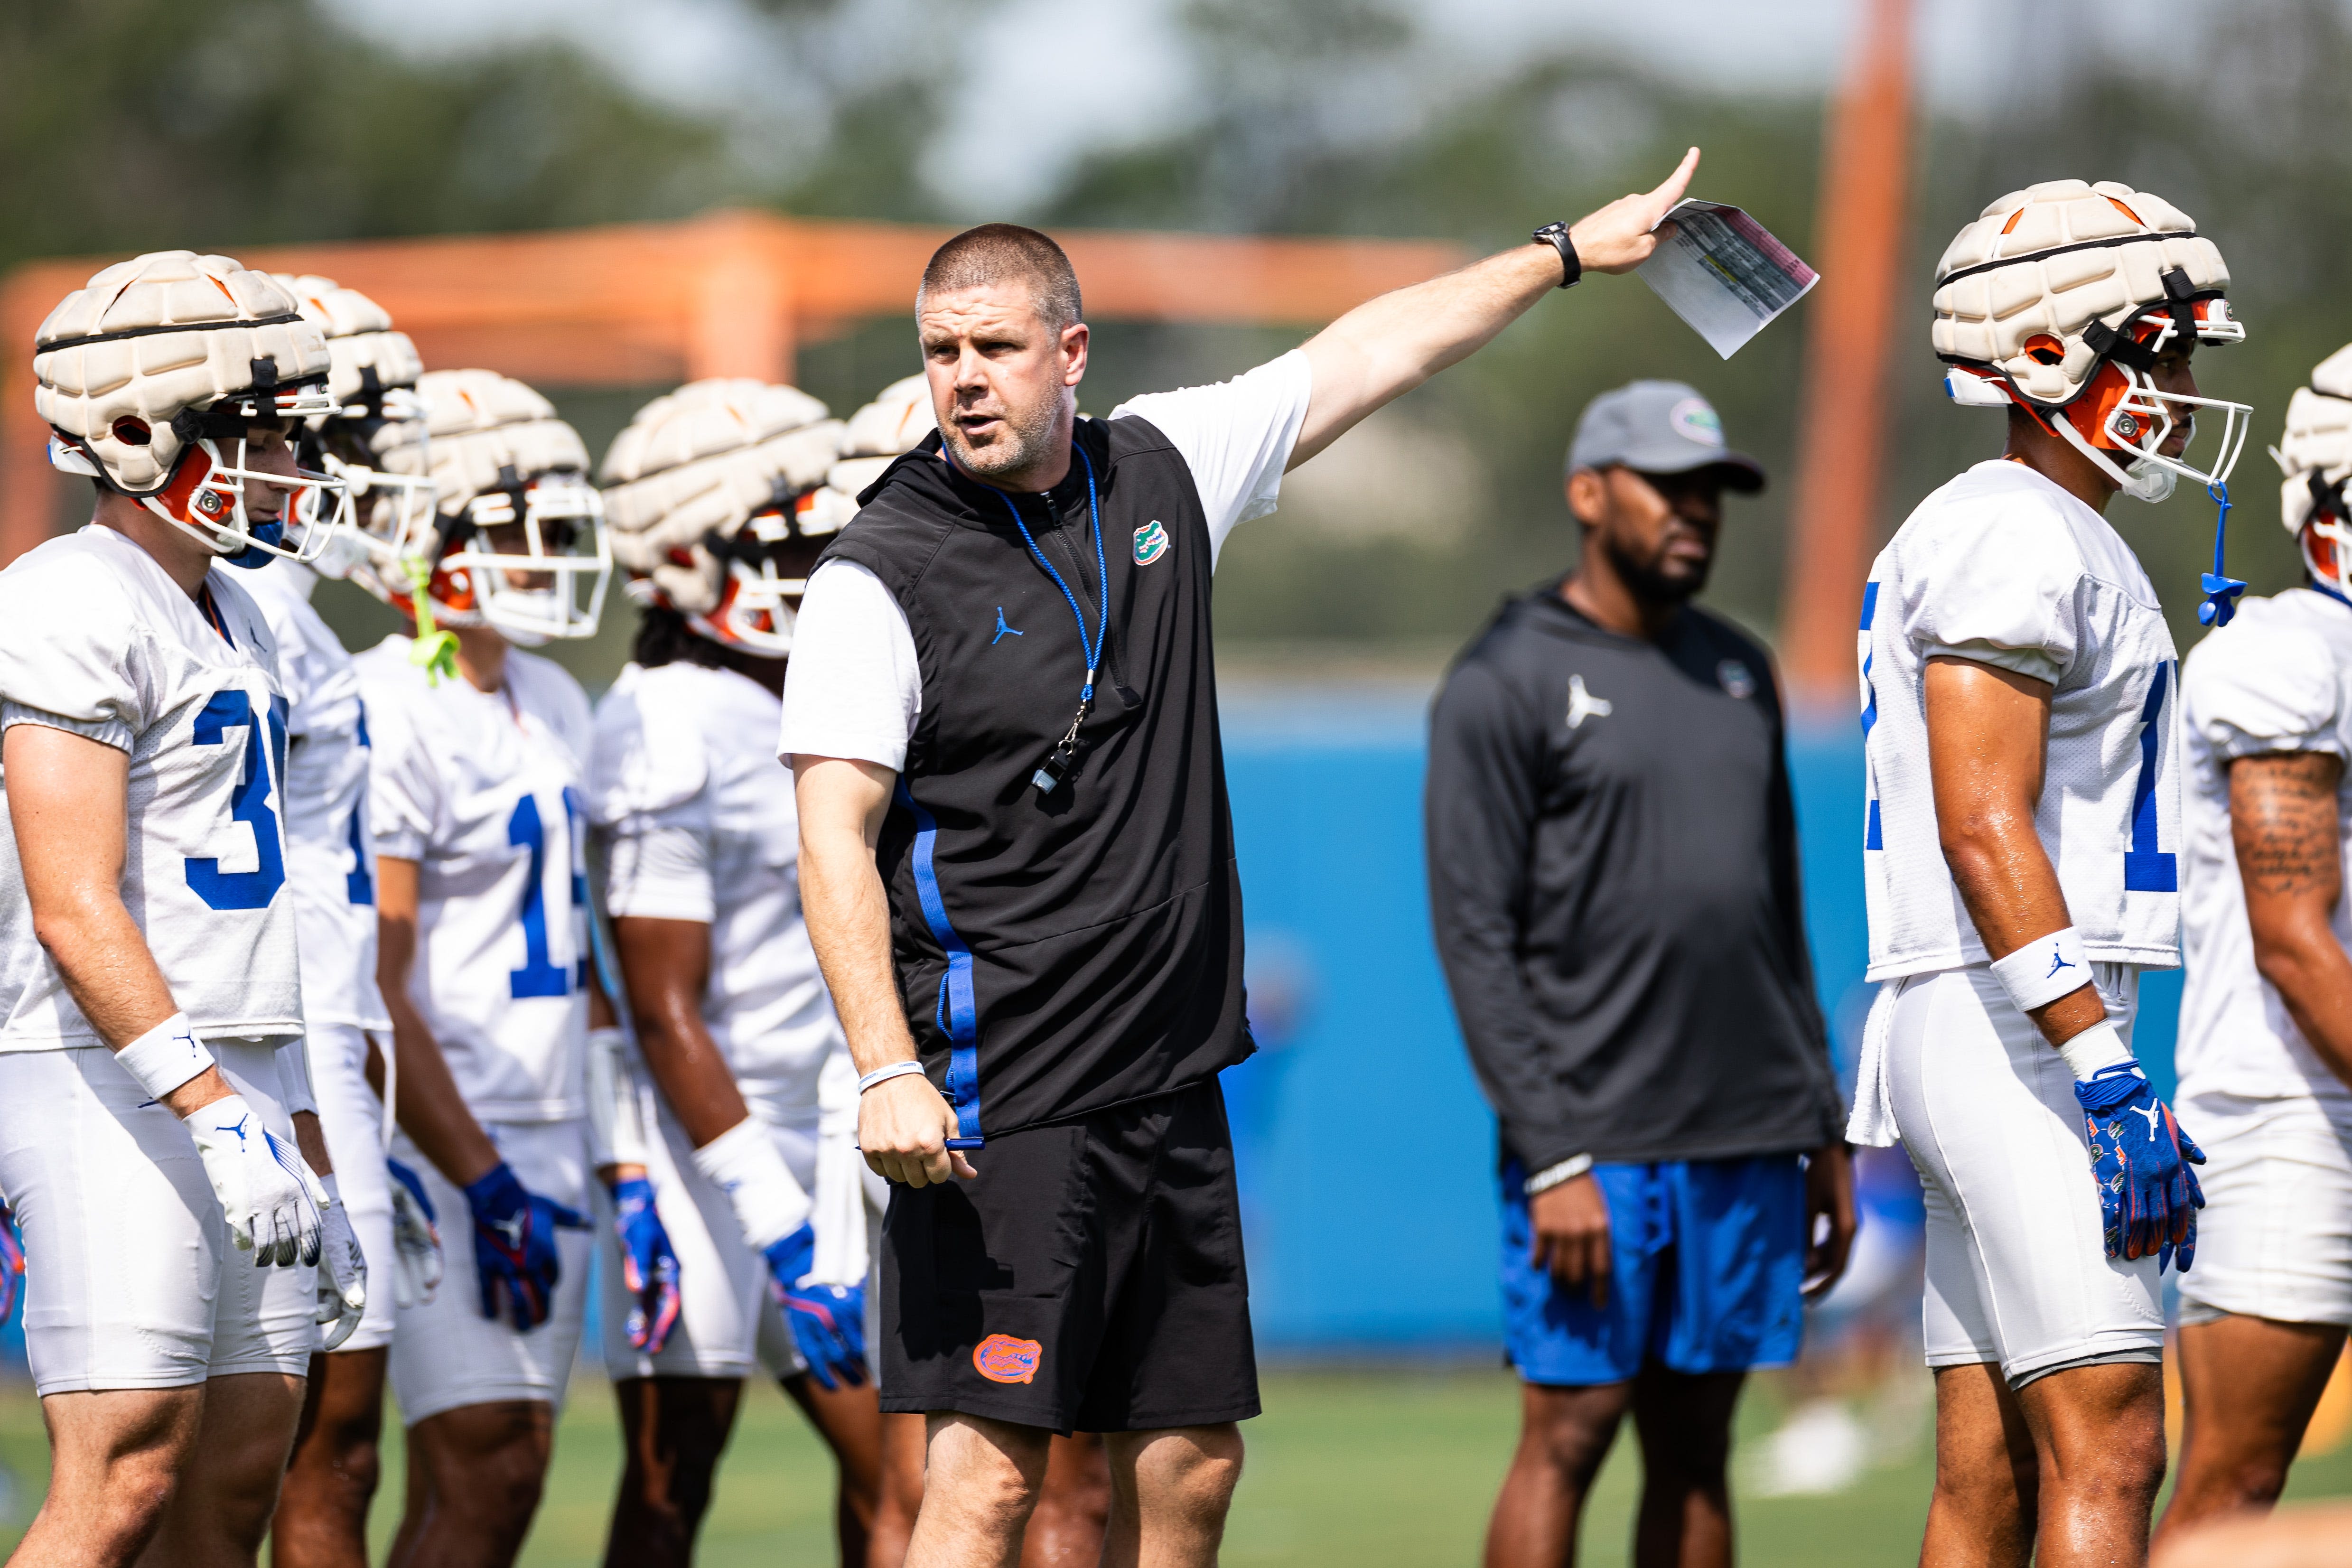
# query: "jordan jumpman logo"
2057,962
1003,631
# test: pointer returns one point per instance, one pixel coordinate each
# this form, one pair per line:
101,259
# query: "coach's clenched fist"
903,1128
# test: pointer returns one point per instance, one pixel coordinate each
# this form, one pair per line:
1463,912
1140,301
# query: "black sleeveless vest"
1062,952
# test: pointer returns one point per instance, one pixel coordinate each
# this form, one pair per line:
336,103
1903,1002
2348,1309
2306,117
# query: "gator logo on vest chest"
1150,542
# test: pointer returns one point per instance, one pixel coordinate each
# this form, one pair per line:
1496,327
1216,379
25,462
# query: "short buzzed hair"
996,252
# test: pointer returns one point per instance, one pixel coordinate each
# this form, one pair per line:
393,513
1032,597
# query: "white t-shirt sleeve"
854,687
2000,590
2251,688
660,870
73,659
404,792
1237,437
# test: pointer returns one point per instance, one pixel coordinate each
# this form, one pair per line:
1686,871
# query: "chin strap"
434,651
2222,590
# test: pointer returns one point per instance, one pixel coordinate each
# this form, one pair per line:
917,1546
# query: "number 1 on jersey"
538,977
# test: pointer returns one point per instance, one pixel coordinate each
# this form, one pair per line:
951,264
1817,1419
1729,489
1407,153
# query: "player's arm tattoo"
2283,818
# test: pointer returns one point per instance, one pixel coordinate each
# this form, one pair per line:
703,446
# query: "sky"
1118,74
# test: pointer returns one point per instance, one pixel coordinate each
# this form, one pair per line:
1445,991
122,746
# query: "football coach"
1614,885
1018,870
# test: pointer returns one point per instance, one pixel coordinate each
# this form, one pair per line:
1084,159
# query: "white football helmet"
518,539
703,489
2059,299
371,381
151,376
2315,456
896,421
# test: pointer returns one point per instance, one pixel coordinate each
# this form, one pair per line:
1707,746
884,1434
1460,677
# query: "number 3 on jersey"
540,975
248,803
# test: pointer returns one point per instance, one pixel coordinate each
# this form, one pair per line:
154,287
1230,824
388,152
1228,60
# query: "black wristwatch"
1556,235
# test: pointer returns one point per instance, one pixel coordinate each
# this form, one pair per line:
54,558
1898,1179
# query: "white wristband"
2043,969
885,1072
165,1057
1550,1176
744,1163
2096,1047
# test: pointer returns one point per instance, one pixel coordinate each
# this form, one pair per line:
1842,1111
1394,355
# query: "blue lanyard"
1092,650
1063,760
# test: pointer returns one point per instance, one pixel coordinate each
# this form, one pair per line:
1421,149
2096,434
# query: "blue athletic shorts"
1709,1256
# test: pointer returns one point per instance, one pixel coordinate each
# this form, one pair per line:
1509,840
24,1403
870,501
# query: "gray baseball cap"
1659,427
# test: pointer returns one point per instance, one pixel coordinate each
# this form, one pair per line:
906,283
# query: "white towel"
1872,1121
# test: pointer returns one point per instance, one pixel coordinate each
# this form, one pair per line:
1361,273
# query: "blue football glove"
2148,1197
828,1321
12,1265
514,1245
648,1266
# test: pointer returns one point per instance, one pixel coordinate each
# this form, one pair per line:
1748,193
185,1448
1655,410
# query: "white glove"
416,1240
343,1271
265,1189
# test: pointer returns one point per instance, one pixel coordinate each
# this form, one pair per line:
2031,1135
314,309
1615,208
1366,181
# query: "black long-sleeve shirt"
1613,871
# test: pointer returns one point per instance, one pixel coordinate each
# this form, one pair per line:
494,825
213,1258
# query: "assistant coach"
1613,871
1018,869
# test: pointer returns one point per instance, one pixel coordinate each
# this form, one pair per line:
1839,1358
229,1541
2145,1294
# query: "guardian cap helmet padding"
702,491
2061,296
517,541
896,421
371,381
2316,455
151,375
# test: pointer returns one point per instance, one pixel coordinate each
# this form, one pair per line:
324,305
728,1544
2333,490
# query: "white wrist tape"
744,1163
165,1057
616,1130
295,1083
2096,1047
1550,1176
885,1072
2043,969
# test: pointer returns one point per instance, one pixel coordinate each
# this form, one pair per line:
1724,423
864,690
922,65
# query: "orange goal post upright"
727,293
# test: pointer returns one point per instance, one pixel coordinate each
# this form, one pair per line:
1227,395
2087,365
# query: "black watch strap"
1556,235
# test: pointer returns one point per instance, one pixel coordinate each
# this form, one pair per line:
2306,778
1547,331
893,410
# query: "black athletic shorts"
1090,1278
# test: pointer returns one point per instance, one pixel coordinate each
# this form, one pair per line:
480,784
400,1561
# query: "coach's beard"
1025,441
1655,577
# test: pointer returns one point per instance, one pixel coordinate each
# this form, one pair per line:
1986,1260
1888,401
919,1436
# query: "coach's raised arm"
1018,871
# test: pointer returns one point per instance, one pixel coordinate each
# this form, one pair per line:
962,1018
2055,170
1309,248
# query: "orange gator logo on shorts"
1000,1358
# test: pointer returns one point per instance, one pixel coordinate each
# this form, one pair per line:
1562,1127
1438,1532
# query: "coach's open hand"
1621,236
903,1128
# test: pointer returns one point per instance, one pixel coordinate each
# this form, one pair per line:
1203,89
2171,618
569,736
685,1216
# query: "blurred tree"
1338,115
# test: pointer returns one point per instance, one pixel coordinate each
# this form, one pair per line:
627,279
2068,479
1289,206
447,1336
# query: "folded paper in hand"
1724,273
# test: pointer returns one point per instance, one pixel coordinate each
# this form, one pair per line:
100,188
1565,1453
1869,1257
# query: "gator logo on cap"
1150,542
1000,1358
1694,421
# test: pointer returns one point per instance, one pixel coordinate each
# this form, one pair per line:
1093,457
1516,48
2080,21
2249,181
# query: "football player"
751,1171
151,1110
331,866
478,760
2019,844
2265,1052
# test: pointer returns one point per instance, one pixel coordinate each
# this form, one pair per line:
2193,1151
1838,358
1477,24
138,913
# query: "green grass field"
1378,1467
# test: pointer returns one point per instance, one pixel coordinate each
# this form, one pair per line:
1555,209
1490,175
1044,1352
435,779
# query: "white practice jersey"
701,825
2003,567
329,856
2277,679
483,790
95,637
